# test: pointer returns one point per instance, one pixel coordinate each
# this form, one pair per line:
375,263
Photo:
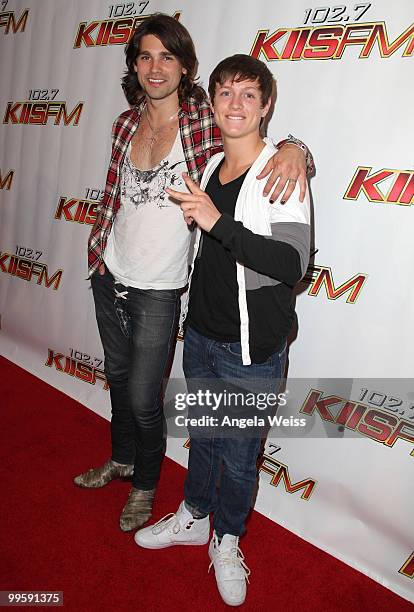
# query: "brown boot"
137,510
100,476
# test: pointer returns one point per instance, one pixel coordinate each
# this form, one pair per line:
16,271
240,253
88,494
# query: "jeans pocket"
234,348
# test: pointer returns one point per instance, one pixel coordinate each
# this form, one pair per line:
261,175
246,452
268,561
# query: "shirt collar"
190,108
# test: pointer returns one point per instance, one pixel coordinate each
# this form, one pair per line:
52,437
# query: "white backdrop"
352,104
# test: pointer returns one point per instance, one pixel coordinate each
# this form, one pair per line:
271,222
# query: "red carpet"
55,536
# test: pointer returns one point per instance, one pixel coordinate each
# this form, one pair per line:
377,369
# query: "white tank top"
148,244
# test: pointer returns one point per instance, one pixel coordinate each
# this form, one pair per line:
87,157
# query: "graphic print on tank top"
140,187
143,186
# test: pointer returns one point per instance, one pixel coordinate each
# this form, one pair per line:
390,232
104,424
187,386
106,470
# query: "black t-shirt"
214,306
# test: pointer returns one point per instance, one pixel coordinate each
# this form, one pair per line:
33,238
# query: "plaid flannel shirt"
200,137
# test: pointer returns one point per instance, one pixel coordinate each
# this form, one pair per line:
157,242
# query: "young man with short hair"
139,244
251,254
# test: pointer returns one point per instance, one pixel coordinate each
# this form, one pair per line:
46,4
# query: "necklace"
156,130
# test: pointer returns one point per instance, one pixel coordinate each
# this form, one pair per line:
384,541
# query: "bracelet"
310,166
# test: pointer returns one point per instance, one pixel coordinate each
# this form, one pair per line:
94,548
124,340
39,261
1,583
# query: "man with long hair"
138,247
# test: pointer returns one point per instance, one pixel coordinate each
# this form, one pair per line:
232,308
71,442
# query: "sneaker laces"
231,558
165,522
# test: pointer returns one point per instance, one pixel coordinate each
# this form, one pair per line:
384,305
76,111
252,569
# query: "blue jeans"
138,334
233,460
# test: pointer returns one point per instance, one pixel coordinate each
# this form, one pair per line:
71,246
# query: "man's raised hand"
196,205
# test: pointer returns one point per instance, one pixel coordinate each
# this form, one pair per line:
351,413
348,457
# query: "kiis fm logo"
400,190
314,42
321,276
374,423
6,181
79,211
24,264
113,31
38,113
9,22
83,368
279,472
408,567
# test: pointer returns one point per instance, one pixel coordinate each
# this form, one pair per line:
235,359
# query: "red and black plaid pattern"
200,138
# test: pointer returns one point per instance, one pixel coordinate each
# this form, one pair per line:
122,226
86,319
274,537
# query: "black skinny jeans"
138,334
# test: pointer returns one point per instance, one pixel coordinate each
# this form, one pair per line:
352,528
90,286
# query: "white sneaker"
230,568
178,528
